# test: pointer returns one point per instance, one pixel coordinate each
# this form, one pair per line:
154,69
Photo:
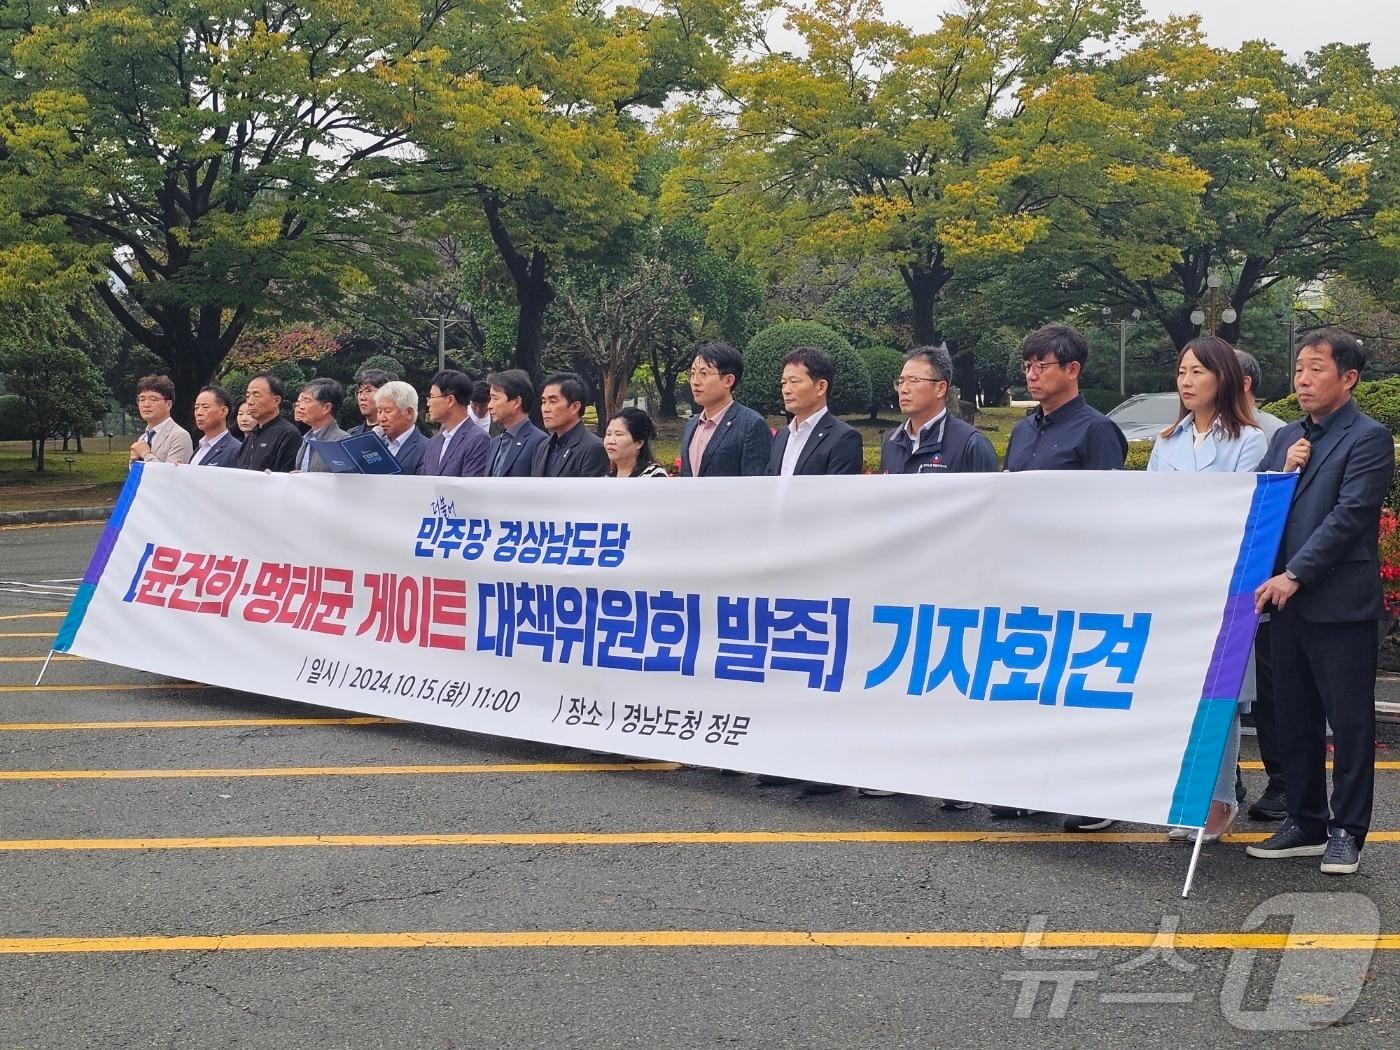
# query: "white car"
1143,416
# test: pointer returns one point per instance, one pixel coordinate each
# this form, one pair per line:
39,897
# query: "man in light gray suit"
317,406
164,441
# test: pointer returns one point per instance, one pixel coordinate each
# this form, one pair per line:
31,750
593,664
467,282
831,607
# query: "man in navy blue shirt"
1064,433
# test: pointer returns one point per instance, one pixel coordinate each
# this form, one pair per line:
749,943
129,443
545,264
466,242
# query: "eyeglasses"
703,373
1034,368
903,381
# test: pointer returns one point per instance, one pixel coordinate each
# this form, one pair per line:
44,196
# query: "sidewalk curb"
57,514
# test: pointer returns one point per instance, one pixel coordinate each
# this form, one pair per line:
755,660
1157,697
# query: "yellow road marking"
27,634
200,723
626,838
330,771
58,658
34,616
52,525
114,687
951,939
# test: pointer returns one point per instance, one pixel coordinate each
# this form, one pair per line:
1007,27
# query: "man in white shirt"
815,441
479,409
164,441
217,447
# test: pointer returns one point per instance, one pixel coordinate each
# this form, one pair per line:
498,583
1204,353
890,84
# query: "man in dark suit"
513,449
725,439
815,441
316,408
458,449
1326,597
398,424
367,384
217,447
572,451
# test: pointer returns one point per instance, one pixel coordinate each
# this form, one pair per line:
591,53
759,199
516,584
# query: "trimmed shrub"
1378,398
883,366
763,367
11,418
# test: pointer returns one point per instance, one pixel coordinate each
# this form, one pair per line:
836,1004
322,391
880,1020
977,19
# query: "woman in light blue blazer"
1215,431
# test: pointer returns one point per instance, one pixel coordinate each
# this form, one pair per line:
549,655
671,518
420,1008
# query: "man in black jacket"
273,443
572,450
815,441
932,440
1327,598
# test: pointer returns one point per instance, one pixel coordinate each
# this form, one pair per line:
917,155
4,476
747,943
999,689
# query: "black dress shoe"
1271,805
1289,841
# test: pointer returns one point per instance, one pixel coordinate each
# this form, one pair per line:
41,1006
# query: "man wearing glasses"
931,441
1064,433
725,438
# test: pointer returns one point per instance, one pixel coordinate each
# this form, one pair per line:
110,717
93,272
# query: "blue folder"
361,454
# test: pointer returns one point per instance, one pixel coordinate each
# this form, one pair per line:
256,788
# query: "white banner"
1071,642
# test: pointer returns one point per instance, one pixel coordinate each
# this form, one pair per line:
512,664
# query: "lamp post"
1123,326
1289,320
1216,311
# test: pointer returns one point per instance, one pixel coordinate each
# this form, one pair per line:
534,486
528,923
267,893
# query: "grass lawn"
93,479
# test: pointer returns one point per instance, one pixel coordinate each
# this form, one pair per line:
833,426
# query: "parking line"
59,658
27,634
627,838
120,687
945,940
199,723
330,771
52,525
35,616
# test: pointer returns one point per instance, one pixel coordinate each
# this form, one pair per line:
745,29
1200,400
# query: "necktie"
1311,430
552,453
151,437
305,464
499,461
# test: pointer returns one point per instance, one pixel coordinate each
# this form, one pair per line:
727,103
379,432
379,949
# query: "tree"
59,389
883,365
922,153
205,163
526,114
1292,151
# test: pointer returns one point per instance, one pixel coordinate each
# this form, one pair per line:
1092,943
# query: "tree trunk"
79,435
67,436
665,376
925,281
1179,327
34,450
39,455
615,384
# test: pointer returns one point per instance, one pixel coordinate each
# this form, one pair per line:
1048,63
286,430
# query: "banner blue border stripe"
1200,764
78,607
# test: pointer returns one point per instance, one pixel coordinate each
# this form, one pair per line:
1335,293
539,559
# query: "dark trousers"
1265,725
1325,674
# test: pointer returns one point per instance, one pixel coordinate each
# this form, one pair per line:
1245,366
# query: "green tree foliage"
763,367
928,152
222,161
58,388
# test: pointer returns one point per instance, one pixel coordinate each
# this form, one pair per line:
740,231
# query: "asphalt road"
170,879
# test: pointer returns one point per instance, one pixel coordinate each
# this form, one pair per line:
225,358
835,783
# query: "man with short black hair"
164,441
1325,599
217,447
479,408
317,406
932,439
367,383
512,450
815,441
572,451
459,448
398,424
725,438
273,443
1064,433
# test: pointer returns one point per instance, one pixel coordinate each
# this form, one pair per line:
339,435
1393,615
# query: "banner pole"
47,660
1195,856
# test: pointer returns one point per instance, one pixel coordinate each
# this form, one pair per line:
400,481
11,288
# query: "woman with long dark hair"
627,442
1215,431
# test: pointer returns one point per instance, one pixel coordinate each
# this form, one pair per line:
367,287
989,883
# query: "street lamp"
1213,310
443,322
1123,326
1289,321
